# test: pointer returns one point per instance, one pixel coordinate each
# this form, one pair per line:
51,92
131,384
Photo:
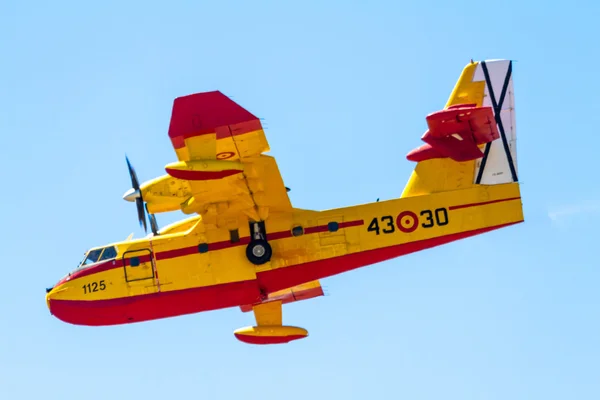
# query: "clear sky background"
343,87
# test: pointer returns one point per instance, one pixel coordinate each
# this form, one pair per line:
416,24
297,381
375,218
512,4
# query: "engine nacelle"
270,334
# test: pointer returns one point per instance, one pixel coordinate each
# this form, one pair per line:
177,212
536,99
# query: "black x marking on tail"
497,105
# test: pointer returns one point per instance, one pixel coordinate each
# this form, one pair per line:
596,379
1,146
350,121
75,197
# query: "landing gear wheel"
259,251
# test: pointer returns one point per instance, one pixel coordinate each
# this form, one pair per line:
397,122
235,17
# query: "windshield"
93,256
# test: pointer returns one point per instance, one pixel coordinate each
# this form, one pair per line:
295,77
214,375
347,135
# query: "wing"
219,145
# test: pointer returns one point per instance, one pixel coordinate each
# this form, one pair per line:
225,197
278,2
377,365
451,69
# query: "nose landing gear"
258,250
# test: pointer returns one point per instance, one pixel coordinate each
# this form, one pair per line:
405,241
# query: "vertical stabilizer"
483,88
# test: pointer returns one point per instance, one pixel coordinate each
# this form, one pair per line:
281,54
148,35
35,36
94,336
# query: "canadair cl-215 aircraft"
246,246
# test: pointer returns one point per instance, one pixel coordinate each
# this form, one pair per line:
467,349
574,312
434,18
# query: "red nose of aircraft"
65,303
71,311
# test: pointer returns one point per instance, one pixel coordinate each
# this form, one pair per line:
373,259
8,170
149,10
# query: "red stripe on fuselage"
481,204
186,251
283,278
156,305
194,300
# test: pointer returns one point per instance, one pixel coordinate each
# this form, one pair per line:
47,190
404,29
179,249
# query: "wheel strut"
258,250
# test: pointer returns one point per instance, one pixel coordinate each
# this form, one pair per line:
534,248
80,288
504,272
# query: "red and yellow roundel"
225,155
407,221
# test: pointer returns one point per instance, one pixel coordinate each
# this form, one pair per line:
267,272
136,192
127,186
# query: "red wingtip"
203,113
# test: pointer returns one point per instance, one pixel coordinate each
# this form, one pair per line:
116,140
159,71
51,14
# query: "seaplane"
243,244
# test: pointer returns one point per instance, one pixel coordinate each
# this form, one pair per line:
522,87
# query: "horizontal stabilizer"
456,133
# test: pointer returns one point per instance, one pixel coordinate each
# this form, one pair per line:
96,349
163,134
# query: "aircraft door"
138,265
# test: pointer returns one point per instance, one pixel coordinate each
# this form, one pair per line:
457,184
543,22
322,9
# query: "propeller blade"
135,184
139,202
135,193
152,218
153,224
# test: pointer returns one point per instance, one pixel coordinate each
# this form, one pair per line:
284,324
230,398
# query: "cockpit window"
92,257
96,255
108,253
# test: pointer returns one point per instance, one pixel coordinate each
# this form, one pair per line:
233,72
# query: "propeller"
152,218
135,195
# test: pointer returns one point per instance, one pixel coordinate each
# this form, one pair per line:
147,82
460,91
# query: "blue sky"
343,88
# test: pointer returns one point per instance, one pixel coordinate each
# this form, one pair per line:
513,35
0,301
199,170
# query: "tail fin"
472,142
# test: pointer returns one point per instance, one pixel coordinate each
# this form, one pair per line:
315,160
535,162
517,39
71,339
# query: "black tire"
259,252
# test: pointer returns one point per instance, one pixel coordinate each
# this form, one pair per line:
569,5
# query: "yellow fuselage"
201,268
